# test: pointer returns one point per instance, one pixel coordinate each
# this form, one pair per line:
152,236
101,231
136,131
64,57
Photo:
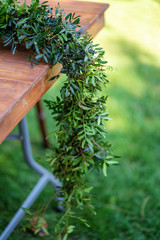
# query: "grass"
127,202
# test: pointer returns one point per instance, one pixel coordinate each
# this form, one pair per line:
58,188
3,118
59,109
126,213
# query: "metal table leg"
46,177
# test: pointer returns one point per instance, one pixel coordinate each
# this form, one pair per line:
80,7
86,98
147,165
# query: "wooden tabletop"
22,86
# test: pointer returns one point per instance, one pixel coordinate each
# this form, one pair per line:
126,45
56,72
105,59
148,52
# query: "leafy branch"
80,111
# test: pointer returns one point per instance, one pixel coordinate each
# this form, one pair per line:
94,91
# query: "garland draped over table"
80,110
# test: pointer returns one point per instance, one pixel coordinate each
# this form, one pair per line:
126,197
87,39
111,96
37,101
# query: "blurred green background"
128,200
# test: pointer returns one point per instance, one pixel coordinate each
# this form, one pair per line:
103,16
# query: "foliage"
133,131
80,110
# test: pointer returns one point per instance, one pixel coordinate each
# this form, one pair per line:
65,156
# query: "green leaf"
75,86
68,16
39,56
88,46
64,36
36,47
50,10
72,90
24,20
99,120
84,221
89,142
45,58
65,236
77,21
99,156
104,169
54,77
93,81
82,136
79,133
14,49
84,107
70,228
87,190
112,162
60,37
26,210
87,79
33,60
83,143
85,58
36,231
45,231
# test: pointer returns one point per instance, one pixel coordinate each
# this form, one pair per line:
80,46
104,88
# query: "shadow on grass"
140,112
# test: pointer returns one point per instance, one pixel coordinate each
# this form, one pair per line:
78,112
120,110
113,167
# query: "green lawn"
128,200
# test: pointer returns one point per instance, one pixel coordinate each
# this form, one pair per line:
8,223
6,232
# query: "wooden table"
21,86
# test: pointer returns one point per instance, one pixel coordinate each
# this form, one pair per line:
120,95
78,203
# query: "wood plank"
24,72
18,108
22,86
17,88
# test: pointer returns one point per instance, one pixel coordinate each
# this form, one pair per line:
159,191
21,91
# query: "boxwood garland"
80,111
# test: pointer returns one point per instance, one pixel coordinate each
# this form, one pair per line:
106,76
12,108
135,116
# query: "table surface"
21,86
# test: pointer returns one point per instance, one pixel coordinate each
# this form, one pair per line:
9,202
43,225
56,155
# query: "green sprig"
80,111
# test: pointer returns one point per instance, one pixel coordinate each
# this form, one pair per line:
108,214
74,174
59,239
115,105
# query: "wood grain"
22,86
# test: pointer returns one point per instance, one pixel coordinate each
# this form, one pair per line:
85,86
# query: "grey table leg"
27,203
28,154
46,177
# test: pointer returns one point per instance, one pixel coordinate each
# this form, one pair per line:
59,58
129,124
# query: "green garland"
80,110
